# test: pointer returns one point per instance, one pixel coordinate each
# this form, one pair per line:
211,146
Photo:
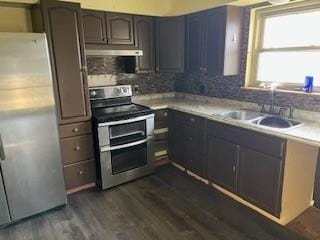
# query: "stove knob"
93,93
124,90
118,90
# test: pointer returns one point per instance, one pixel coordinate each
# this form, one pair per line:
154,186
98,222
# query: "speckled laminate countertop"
208,108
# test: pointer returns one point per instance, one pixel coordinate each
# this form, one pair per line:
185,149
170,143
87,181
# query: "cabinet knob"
234,168
165,114
75,130
192,120
81,172
157,68
77,148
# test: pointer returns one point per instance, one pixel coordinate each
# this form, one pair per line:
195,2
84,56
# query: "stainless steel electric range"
123,136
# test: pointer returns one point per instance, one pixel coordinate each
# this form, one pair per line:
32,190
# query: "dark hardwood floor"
168,205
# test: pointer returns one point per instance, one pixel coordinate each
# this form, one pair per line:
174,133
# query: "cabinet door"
63,25
260,180
194,43
214,41
120,28
170,44
144,39
222,160
94,26
174,138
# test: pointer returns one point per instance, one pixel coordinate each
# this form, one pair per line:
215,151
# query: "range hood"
112,50
109,52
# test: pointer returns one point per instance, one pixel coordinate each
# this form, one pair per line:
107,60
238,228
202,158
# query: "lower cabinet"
260,180
187,141
244,162
222,161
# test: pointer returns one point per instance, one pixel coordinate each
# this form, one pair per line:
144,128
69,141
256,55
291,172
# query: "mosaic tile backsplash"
110,70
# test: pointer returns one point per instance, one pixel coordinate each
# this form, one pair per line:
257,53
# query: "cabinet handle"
83,69
234,168
75,130
77,148
2,153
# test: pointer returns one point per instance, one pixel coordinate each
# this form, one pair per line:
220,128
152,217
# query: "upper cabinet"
120,28
107,28
214,41
94,25
144,40
62,23
170,35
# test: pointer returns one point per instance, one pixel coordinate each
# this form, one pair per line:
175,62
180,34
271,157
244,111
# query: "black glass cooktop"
120,112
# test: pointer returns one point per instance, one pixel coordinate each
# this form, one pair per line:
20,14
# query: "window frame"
256,36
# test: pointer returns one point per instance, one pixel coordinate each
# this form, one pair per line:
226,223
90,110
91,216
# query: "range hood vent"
112,50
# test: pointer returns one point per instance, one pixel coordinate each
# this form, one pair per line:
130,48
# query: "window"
285,46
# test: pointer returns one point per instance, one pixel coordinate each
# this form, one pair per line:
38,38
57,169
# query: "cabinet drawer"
161,119
77,149
80,174
75,129
190,120
271,145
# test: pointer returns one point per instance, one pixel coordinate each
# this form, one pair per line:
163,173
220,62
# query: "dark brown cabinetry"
170,35
144,40
187,141
247,163
194,42
222,161
214,41
107,28
120,28
63,25
94,25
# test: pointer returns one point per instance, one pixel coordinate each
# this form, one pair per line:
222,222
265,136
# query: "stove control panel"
110,92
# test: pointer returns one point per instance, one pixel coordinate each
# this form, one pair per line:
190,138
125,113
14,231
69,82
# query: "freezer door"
4,211
31,165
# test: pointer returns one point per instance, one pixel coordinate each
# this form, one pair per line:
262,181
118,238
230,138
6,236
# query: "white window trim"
257,19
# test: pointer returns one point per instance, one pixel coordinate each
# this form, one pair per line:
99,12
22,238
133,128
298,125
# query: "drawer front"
77,149
271,145
190,120
80,174
161,119
75,129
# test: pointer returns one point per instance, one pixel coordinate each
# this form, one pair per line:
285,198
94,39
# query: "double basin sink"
274,122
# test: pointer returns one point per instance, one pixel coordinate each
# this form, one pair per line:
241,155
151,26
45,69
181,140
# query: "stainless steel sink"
262,119
277,122
242,115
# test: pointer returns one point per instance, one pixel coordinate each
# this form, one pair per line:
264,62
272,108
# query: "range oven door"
127,152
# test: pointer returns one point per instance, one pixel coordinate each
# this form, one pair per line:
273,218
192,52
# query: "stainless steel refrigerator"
31,176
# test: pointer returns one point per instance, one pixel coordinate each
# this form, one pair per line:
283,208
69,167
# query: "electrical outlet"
136,89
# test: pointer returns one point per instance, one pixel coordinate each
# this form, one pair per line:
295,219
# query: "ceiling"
151,7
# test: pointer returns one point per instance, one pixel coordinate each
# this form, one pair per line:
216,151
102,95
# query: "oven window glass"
128,132
125,159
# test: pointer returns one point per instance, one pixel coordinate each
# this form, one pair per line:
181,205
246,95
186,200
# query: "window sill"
315,93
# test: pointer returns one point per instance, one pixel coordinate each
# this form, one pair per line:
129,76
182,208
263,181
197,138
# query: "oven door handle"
130,120
108,148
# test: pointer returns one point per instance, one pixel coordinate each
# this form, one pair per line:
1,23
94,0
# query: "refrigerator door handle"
2,153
